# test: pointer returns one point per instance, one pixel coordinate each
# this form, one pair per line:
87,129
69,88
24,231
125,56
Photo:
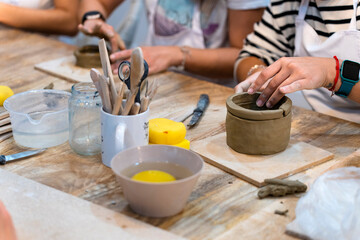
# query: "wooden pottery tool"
102,88
105,62
135,109
137,68
151,90
130,101
105,89
101,85
117,110
144,103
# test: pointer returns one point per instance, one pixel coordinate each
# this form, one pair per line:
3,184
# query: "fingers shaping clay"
257,130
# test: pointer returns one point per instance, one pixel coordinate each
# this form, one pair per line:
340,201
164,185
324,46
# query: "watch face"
351,70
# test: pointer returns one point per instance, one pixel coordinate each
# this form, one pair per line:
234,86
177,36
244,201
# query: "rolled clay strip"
278,188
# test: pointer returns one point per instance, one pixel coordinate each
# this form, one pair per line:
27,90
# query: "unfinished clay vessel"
257,130
88,56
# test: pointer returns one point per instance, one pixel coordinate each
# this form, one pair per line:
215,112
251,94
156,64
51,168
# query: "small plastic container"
39,118
84,119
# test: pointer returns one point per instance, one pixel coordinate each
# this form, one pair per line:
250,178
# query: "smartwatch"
92,15
349,74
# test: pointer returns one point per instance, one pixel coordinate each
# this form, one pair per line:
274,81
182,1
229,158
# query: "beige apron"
344,44
189,37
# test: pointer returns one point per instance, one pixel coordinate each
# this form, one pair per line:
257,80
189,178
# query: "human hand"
7,230
289,75
159,58
99,28
244,85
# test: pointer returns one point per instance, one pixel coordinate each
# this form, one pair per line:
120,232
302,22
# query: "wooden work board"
41,212
254,169
66,69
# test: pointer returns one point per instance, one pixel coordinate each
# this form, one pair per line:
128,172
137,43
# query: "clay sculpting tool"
198,111
105,63
105,90
117,110
137,70
5,159
135,109
144,103
95,77
130,101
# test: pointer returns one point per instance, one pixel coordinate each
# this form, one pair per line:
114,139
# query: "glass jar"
84,119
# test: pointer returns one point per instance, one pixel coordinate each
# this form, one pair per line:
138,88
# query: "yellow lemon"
153,176
5,92
166,131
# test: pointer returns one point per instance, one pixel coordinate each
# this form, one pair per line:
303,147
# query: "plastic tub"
39,118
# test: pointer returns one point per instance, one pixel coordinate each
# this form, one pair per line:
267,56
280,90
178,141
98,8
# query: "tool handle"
2,160
203,103
135,109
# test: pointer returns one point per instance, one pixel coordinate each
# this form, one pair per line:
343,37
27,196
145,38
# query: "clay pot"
254,130
88,56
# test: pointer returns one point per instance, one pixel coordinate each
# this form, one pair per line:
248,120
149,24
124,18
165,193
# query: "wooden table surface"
221,205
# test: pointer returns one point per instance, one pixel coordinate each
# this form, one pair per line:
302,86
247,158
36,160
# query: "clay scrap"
279,188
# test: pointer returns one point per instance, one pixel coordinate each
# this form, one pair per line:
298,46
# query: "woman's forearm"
60,20
215,63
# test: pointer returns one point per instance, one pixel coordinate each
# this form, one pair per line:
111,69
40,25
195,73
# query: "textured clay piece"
278,188
88,56
254,130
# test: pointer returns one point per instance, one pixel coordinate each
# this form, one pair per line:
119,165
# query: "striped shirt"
274,35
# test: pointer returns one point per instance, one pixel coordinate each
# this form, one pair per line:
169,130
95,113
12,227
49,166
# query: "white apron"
189,37
344,44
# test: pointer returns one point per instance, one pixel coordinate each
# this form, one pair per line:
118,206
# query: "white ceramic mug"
122,132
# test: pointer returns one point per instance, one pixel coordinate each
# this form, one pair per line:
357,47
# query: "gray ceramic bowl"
157,199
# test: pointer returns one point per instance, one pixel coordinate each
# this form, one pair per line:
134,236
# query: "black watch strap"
92,15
